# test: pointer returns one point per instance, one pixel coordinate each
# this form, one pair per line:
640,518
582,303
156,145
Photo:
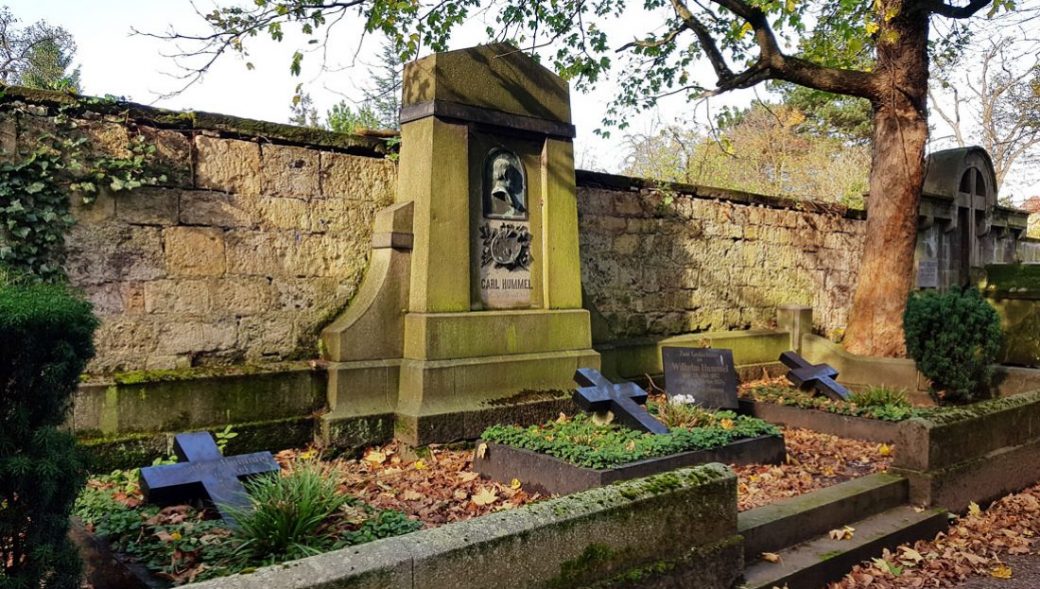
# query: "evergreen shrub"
45,342
954,337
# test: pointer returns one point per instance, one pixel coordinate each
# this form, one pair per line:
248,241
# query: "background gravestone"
705,374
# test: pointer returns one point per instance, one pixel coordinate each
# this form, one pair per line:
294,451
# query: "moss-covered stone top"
1008,280
373,145
951,415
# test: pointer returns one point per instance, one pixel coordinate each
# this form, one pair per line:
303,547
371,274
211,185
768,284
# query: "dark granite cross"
204,473
626,400
816,376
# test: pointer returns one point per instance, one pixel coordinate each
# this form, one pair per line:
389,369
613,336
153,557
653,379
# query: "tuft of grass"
289,514
880,396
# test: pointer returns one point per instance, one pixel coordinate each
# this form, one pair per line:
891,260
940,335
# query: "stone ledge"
688,516
374,145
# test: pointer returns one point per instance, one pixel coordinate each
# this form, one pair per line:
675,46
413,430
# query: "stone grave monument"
703,376
470,313
961,226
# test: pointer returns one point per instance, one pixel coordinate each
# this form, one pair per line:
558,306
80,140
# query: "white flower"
683,400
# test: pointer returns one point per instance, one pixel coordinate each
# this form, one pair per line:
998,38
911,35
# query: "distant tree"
996,106
302,111
342,118
847,118
38,56
764,149
384,97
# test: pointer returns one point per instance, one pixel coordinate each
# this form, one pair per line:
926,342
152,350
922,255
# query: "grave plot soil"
389,495
880,403
814,461
436,489
995,547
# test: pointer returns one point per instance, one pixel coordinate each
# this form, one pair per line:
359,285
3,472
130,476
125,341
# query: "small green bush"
954,337
46,339
288,513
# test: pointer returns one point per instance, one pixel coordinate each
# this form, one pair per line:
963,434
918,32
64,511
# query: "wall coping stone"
371,144
537,545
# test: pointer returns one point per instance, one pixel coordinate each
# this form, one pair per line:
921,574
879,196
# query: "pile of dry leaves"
437,489
814,461
973,545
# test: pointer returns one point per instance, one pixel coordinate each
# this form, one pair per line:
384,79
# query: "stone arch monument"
962,228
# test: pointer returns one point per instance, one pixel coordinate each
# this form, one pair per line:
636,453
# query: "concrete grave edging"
662,529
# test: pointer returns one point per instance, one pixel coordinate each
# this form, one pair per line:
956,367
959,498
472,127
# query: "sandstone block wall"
255,244
261,237
683,259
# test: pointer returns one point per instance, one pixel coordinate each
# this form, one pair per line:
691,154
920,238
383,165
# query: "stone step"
791,521
812,564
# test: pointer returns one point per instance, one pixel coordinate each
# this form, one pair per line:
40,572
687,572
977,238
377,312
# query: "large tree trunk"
886,274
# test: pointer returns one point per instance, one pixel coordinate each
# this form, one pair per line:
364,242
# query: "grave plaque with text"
504,234
706,375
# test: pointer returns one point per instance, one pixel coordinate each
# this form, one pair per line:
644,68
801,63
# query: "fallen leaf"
481,451
974,510
842,534
1001,572
515,484
468,476
375,457
486,496
771,557
885,450
420,464
411,495
726,424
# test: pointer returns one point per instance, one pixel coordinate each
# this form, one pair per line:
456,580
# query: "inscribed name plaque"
706,375
504,237
928,274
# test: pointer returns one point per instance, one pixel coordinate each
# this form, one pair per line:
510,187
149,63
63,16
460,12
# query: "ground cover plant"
874,403
580,440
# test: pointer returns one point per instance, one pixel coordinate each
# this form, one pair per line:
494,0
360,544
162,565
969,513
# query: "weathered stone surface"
229,165
217,209
289,171
172,155
354,177
696,264
194,251
110,251
148,206
186,337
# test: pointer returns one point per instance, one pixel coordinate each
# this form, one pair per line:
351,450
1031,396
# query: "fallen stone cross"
203,473
625,400
819,377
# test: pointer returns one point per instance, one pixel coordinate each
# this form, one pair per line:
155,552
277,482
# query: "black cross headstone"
625,400
203,473
819,377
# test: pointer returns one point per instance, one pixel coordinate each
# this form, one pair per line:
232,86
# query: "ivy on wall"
36,187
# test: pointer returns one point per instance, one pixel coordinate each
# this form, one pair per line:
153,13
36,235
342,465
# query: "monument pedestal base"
448,400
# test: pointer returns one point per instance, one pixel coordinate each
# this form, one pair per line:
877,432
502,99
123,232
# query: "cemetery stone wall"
262,235
259,238
663,260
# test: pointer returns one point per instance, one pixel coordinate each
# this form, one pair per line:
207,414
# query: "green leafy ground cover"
581,441
296,514
876,403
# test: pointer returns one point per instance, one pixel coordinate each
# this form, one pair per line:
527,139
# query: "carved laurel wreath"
507,246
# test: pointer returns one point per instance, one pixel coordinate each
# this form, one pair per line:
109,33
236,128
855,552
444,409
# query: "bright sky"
115,62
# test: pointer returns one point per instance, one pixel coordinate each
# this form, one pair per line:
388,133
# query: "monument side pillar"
494,329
